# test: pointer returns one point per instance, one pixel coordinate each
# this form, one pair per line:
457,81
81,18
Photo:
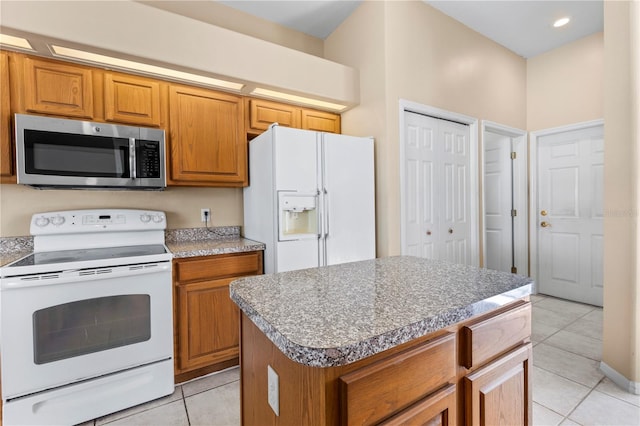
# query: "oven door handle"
83,275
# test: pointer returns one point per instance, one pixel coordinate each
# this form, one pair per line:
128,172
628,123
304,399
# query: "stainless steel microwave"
63,153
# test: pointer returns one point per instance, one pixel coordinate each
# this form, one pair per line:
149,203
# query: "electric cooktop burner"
79,255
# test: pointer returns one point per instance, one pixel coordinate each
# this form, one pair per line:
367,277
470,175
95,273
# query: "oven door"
66,327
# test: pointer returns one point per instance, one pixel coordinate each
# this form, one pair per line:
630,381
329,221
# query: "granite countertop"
212,247
336,315
185,242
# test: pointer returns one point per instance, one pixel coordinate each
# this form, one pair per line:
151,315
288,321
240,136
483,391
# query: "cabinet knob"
450,231
428,232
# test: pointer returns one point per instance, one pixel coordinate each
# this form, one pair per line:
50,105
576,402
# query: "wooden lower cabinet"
207,323
500,392
421,382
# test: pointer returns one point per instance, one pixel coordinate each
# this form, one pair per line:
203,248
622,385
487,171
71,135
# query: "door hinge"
514,270
514,213
513,155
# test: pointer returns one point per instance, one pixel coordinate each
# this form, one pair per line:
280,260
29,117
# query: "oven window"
63,154
91,325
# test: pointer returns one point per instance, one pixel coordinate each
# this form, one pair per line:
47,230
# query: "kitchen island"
394,341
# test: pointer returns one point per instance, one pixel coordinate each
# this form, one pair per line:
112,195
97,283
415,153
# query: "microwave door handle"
132,158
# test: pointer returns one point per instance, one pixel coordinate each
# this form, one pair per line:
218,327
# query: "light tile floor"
568,387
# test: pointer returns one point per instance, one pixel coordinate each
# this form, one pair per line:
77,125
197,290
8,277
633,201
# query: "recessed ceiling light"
561,22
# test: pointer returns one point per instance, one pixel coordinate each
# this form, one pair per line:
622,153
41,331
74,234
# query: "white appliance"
86,324
310,199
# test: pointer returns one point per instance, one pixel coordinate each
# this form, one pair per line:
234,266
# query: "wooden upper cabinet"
6,146
130,99
263,113
207,143
58,89
320,121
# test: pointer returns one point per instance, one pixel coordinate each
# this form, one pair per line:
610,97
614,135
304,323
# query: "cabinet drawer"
485,339
369,394
219,266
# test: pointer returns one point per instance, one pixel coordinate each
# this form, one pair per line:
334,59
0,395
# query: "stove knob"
145,218
157,218
57,220
42,221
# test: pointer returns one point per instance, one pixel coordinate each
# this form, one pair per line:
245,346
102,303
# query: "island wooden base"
472,373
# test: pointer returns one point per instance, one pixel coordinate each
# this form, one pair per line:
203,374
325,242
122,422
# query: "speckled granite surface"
340,314
213,246
13,248
187,242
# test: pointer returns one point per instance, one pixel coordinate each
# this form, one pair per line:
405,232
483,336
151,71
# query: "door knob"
543,212
545,224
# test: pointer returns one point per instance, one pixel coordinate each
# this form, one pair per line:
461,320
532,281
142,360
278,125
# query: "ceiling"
522,26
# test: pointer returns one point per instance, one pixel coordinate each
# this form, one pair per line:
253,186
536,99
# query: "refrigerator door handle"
325,208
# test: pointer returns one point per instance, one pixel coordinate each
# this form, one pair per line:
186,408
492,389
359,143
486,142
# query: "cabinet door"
6,147
500,393
399,381
207,143
208,324
58,89
263,113
438,409
320,121
132,100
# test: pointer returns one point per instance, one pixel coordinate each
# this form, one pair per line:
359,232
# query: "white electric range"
86,324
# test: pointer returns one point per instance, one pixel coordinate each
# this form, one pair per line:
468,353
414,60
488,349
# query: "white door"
498,202
420,233
348,198
569,217
436,192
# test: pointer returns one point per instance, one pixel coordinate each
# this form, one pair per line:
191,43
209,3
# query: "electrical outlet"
205,215
273,391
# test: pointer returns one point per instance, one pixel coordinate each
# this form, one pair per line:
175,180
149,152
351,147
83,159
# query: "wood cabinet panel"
209,324
320,121
500,393
58,89
369,394
208,145
207,320
438,409
486,339
263,113
6,145
213,267
132,100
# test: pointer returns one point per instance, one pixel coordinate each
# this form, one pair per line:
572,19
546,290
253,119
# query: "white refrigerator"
310,199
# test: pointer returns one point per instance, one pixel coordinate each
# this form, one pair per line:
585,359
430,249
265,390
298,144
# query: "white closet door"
419,191
454,192
436,189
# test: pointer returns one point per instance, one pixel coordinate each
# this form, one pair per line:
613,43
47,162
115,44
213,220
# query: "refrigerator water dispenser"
298,216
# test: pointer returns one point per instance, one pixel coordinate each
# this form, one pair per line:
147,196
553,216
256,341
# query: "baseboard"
619,379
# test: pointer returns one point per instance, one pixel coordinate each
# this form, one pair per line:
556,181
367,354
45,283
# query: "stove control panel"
91,221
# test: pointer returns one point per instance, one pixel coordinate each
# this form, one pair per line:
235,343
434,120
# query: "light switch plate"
273,390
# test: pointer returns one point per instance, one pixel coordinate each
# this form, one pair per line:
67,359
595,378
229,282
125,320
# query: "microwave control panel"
148,159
